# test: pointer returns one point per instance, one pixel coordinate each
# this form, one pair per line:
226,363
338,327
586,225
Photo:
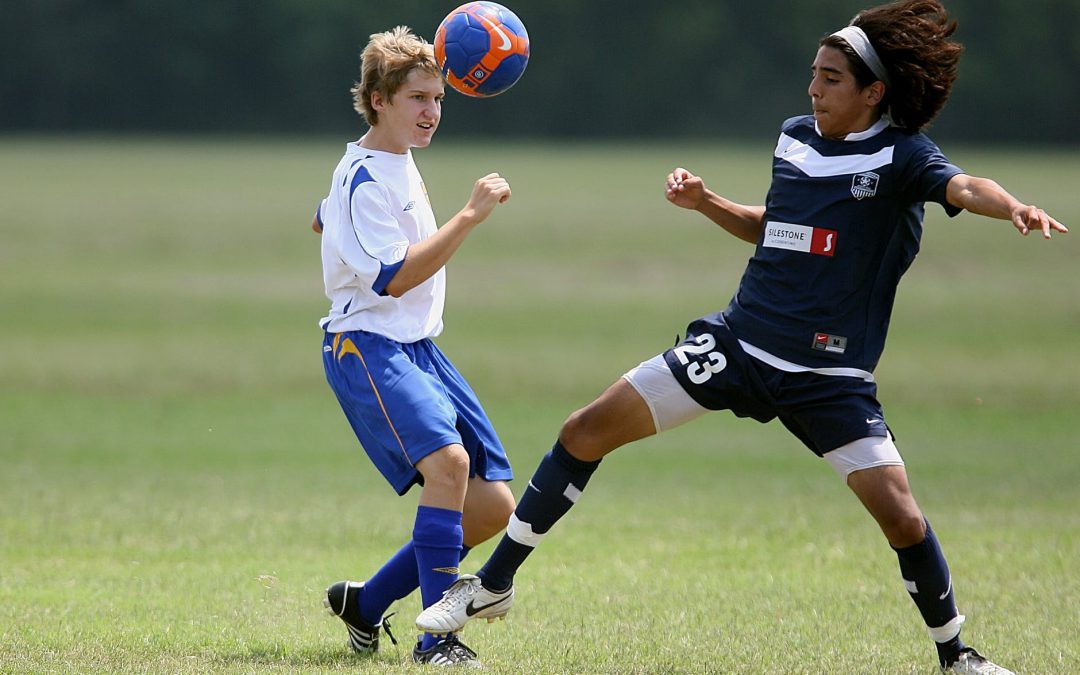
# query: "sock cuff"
949,631
567,461
437,528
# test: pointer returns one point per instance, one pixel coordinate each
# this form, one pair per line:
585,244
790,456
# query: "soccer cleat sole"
444,633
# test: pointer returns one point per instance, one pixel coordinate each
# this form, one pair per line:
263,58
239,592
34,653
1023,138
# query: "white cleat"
971,662
465,600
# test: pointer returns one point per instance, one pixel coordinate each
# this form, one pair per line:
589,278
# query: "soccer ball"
482,49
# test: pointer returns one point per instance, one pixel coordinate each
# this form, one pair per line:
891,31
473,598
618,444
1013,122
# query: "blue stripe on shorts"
405,401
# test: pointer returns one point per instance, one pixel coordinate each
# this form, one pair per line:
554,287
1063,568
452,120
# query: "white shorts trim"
668,402
865,453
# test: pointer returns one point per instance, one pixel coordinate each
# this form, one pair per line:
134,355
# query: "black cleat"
447,652
343,601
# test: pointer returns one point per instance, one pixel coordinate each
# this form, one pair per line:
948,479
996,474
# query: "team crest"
864,185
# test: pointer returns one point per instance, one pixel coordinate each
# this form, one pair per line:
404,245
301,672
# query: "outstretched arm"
984,197
688,191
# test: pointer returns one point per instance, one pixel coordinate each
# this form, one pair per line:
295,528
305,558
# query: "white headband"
854,36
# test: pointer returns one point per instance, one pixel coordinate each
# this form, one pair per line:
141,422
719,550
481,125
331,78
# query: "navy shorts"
405,401
823,411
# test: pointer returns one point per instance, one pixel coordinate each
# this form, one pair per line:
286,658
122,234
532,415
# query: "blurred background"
178,484
606,68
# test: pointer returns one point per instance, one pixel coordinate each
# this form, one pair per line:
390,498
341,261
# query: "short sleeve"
377,230
928,173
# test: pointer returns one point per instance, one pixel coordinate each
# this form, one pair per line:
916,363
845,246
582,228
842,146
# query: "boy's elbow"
395,289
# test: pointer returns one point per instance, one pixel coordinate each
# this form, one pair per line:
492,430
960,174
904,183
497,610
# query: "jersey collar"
875,129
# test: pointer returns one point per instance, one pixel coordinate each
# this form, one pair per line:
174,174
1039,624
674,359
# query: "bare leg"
446,478
488,505
885,493
619,416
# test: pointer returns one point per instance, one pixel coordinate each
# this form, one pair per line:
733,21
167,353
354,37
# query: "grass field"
178,486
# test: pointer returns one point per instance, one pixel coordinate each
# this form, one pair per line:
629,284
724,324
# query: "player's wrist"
468,217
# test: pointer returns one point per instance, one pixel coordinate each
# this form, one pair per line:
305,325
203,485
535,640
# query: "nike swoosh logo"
873,421
471,609
947,590
505,46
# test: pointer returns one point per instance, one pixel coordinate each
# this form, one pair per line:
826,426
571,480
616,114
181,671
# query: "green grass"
178,486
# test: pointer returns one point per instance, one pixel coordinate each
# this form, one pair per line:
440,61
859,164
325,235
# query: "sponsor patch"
864,184
803,238
836,344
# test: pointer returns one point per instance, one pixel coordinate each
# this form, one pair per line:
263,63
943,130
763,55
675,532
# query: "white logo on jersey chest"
864,184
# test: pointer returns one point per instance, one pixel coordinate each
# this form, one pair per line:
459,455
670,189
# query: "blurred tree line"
599,68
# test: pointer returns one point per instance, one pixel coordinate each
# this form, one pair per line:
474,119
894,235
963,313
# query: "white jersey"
377,207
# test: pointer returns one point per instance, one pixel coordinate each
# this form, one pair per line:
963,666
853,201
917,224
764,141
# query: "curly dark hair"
912,39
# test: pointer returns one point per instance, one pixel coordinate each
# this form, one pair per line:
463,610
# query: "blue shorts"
825,412
405,401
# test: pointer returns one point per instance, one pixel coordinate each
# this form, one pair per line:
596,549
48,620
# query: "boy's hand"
487,193
1028,217
684,189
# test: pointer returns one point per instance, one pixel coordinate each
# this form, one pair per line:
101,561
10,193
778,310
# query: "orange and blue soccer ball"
482,49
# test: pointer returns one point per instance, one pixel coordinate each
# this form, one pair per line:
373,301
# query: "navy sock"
553,489
926,576
397,578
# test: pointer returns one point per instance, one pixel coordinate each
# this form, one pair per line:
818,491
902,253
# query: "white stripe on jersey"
814,164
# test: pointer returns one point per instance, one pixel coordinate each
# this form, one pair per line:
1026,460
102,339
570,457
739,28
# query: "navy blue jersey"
842,224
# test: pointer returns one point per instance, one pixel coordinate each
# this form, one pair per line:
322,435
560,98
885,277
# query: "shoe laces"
456,649
386,627
977,661
462,587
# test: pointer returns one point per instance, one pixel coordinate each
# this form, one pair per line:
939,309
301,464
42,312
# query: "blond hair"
386,63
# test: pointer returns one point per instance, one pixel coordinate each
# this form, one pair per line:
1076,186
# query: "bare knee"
904,529
446,476
487,510
573,428
579,437
885,493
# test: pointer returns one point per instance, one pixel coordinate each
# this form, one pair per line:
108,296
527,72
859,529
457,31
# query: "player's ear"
378,101
874,93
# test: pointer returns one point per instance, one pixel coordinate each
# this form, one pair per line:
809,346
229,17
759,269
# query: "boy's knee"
447,466
576,434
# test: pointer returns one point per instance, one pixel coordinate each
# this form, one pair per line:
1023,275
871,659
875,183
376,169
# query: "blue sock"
437,545
395,579
926,576
553,489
